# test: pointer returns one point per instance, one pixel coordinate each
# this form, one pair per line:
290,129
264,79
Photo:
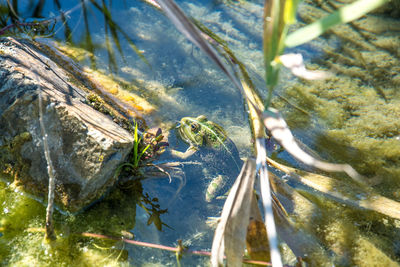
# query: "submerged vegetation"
350,117
22,228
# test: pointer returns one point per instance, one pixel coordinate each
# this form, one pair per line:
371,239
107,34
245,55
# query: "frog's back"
223,165
224,158
218,154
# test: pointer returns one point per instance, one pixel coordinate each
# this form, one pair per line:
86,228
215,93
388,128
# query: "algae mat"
353,117
358,109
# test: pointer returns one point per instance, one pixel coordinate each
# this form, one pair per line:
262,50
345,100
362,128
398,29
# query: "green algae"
22,230
100,105
358,109
351,234
11,161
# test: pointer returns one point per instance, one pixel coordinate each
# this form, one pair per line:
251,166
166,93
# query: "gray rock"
86,146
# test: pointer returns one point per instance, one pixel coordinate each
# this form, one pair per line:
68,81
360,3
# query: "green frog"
208,141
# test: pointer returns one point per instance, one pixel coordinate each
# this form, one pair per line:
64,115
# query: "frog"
209,142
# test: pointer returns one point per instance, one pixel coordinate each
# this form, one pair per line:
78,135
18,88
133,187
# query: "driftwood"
85,145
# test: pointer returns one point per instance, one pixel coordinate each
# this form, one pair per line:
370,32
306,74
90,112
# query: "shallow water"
183,82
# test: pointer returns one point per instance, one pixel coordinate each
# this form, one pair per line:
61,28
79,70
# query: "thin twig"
167,248
146,244
50,235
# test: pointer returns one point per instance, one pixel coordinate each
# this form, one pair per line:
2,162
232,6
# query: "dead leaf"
266,197
281,132
295,232
340,191
257,238
231,231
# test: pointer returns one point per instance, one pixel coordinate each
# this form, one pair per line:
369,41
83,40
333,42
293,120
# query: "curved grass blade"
301,241
252,96
344,14
274,122
343,192
295,63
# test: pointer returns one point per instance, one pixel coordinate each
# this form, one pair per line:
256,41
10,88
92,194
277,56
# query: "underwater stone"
85,145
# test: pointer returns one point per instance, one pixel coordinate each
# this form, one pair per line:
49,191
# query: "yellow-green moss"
22,230
11,160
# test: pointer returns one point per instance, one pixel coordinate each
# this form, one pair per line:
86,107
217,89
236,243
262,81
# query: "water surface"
344,119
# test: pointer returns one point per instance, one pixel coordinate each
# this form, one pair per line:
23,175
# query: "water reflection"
64,20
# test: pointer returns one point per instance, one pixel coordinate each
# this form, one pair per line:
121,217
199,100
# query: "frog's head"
201,132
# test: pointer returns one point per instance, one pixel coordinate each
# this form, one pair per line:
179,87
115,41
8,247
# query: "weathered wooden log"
86,146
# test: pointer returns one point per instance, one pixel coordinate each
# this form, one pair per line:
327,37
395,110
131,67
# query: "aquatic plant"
136,154
146,147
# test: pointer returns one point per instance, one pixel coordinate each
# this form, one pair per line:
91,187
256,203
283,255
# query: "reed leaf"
343,192
344,14
266,198
252,96
272,36
300,239
278,128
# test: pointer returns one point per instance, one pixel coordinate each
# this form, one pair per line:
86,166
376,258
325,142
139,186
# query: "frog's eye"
195,127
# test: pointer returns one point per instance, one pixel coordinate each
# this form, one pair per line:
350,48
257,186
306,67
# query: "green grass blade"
274,25
136,146
143,151
289,13
342,15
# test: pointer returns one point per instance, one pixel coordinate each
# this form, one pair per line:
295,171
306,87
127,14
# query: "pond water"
352,117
